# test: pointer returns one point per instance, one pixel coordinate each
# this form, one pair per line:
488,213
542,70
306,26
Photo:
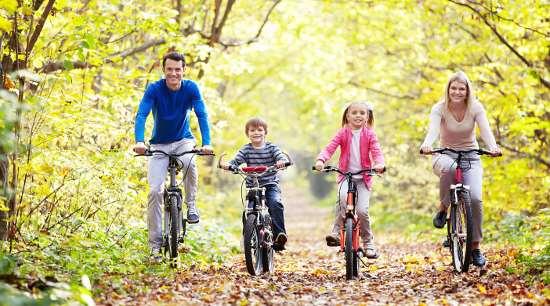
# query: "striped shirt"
268,155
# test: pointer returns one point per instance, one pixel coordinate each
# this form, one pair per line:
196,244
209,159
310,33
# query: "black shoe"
446,243
332,240
477,258
280,242
439,219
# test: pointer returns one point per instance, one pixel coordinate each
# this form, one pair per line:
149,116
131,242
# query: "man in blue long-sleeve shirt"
170,99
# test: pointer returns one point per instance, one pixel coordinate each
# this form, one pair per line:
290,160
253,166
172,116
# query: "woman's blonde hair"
461,77
367,105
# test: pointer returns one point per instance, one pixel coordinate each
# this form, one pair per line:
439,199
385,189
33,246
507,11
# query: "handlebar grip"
287,164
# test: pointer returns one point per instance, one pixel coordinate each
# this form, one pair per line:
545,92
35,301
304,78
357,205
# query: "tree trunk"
4,178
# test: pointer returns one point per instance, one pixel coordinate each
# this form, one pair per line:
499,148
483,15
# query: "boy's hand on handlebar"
280,164
140,148
319,165
224,166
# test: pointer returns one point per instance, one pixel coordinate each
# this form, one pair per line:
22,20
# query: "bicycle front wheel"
173,227
461,232
348,248
252,246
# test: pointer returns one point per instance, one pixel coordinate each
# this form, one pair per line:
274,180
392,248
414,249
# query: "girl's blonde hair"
368,106
461,77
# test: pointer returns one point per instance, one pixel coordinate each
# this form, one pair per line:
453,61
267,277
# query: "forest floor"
310,273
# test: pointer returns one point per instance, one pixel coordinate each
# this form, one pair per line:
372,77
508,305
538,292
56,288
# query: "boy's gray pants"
158,168
445,167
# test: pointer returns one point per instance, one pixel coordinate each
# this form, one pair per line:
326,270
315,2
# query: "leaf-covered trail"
309,272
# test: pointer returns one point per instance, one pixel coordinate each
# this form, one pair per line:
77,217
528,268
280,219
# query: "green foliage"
82,196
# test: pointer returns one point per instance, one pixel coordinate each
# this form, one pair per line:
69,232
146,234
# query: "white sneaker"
192,214
156,256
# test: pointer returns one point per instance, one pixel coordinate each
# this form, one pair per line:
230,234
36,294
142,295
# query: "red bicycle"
350,231
459,222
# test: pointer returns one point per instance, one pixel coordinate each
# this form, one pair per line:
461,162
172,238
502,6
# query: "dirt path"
309,273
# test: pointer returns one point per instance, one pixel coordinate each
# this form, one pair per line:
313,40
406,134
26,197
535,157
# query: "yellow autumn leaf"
9,5
481,289
5,25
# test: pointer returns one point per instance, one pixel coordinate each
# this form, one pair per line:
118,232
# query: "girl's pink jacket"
369,147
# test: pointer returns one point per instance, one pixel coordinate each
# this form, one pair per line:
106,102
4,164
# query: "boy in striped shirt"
261,153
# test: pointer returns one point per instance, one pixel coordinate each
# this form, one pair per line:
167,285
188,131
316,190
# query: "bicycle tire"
173,227
461,232
268,259
348,248
252,246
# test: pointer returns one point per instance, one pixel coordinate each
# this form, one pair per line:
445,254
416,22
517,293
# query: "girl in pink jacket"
359,149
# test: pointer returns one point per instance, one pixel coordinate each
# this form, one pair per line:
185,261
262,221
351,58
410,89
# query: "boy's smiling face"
256,134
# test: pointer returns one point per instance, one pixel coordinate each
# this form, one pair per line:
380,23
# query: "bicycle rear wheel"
348,248
461,232
173,227
252,247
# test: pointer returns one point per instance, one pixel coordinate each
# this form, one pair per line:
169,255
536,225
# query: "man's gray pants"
158,168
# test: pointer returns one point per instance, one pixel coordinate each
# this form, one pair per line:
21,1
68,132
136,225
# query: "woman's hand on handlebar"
425,149
495,152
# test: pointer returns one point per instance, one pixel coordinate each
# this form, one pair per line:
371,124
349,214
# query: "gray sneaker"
192,214
156,256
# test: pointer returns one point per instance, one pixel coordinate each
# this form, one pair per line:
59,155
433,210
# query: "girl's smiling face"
357,116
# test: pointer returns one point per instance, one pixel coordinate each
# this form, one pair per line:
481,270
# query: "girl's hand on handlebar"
379,168
319,164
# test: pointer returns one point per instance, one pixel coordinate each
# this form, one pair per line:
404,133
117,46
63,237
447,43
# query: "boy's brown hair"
255,122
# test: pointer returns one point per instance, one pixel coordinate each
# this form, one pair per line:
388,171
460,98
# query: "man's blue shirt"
171,113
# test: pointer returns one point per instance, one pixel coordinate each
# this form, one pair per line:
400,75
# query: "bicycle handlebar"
477,151
370,172
256,170
194,151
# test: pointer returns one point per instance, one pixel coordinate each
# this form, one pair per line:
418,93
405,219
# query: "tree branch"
387,94
502,39
524,154
40,25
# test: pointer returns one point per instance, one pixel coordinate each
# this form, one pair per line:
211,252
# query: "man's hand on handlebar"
206,149
140,148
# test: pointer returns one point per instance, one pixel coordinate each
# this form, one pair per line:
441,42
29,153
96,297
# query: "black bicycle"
350,230
459,221
257,231
174,223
